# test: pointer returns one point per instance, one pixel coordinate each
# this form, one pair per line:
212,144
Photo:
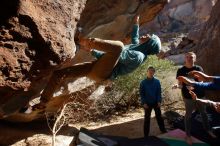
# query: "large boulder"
36,37
113,19
209,44
181,15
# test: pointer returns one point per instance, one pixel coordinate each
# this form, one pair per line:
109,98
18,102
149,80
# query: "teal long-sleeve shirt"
134,54
150,91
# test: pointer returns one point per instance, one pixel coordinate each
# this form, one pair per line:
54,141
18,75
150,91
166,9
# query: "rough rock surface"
181,15
204,40
208,48
36,37
113,19
180,46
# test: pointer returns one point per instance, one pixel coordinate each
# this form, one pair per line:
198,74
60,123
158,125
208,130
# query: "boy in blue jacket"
150,92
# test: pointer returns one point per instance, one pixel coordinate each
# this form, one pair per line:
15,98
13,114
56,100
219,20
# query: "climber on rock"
113,58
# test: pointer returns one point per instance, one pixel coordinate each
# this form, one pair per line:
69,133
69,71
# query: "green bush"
131,81
125,90
124,93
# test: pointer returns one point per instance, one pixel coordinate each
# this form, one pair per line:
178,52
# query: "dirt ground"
129,125
37,133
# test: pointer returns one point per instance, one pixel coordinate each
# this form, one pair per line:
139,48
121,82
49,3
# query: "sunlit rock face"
113,19
179,15
184,16
209,44
204,40
36,37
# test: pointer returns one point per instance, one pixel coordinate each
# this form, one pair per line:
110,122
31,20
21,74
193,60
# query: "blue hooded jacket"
133,54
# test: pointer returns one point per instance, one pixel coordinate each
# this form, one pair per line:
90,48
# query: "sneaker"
189,140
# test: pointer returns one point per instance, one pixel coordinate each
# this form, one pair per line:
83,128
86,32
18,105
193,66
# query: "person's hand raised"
199,75
136,19
184,80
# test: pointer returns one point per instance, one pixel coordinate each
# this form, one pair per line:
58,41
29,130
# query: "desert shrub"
124,94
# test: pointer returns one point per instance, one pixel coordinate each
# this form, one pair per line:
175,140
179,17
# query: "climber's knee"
119,47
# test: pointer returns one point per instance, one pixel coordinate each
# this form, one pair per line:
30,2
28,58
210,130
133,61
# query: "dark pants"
147,117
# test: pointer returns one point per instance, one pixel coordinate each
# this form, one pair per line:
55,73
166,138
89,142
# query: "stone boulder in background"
208,47
204,40
179,15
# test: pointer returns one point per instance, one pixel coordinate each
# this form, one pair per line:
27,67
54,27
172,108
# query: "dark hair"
151,67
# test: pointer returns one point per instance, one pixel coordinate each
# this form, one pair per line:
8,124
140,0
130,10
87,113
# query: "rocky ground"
37,133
